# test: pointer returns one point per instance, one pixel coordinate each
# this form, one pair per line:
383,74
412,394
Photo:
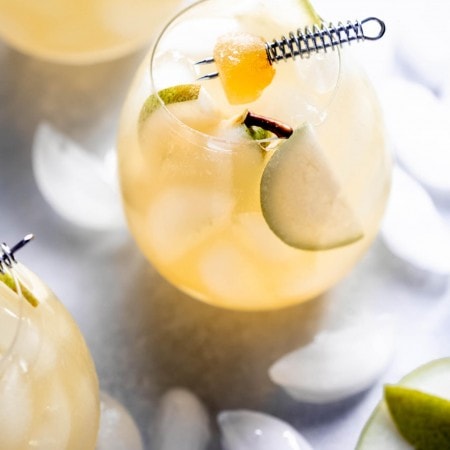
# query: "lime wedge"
422,419
302,200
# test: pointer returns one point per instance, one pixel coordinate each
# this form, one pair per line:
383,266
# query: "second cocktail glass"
49,391
81,31
224,208
49,396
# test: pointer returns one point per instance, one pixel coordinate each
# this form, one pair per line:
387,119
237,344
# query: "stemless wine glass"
49,395
81,31
192,168
49,392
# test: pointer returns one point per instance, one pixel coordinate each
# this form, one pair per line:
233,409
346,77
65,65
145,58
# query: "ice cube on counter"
118,430
80,186
182,422
245,430
337,363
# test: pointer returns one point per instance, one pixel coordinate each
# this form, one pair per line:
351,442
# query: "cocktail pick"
7,257
315,39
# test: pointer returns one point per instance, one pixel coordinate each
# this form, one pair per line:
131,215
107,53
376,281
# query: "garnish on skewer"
244,61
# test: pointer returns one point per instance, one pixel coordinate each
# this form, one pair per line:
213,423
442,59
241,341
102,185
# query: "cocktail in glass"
81,31
49,395
228,208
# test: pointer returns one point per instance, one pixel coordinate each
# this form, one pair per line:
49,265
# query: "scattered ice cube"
337,363
412,227
80,186
418,126
182,422
118,430
245,430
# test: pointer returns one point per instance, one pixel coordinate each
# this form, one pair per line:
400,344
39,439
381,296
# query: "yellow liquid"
192,200
81,31
49,397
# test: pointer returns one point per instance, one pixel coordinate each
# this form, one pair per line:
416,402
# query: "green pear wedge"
422,419
414,414
174,94
9,281
301,198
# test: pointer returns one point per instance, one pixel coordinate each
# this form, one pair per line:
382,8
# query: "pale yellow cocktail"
81,31
204,201
49,397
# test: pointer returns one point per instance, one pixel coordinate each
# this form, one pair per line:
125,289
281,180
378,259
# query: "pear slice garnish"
422,419
301,198
424,396
9,281
174,94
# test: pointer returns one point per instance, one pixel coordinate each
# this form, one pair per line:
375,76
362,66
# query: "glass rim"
185,127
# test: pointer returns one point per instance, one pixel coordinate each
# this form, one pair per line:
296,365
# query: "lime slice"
422,419
7,279
302,200
424,395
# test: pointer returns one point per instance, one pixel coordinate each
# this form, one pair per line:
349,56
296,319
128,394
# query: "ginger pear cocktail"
49,397
81,31
263,186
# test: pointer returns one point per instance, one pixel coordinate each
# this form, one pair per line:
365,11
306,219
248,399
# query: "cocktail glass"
49,391
81,31
194,183
49,394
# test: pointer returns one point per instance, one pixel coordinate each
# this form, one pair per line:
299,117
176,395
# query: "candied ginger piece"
243,66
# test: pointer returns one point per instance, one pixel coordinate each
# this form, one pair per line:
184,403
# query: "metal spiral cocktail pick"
318,38
7,258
